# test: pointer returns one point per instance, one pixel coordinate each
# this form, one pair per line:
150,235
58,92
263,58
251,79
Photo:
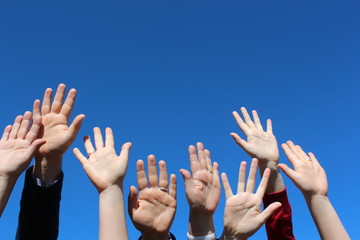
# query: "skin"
152,210
242,214
17,147
202,190
310,178
55,130
260,144
106,170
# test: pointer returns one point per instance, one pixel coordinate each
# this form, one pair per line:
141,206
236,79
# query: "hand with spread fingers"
152,209
242,214
56,131
17,147
107,170
307,175
310,178
260,144
202,190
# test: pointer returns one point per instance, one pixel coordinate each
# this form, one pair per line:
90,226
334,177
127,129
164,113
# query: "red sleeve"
279,225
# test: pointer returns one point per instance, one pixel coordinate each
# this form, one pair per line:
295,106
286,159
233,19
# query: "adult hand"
103,166
56,131
202,190
17,147
152,209
260,144
242,214
308,175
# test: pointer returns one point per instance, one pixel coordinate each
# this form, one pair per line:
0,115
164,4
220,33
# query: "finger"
68,105
36,108
152,173
312,157
163,178
88,145
99,143
194,163
186,174
288,171
301,153
295,150
75,126
216,172
290,154
263,184
172,187
132,200
25,124
250,185
269,128
201,155
141,175
6,133
242,125
257,120
82,159
45,108
227,188
242,177
241,142
246,116
30,151
58,99
34,130
208,160
15,127
109,138
125,151
270,210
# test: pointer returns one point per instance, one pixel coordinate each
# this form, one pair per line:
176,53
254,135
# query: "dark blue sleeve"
39,210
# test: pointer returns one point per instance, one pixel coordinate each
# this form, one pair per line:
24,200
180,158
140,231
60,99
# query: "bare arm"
17,147
310,178
202,191
107,170
152,209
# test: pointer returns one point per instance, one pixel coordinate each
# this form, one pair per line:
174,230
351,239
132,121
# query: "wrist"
110,190
47,169
200,223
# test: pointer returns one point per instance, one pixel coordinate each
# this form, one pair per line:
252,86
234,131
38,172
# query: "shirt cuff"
206,237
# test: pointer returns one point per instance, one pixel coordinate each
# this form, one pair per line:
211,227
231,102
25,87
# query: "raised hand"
107,170
260,144
55,130
153,208
103,166
307,175
310,178
242,214
17,147
202,190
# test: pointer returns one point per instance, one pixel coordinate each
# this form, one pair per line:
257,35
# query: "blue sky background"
166,74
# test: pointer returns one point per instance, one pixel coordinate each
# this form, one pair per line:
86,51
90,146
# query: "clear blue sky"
166,74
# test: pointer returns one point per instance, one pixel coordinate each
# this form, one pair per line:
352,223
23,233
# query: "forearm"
326,219
48,169
6,187
112,214
276,182
200,224
39,210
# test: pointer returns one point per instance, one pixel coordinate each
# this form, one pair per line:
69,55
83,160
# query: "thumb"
288,171
270,210
132,200
75,125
